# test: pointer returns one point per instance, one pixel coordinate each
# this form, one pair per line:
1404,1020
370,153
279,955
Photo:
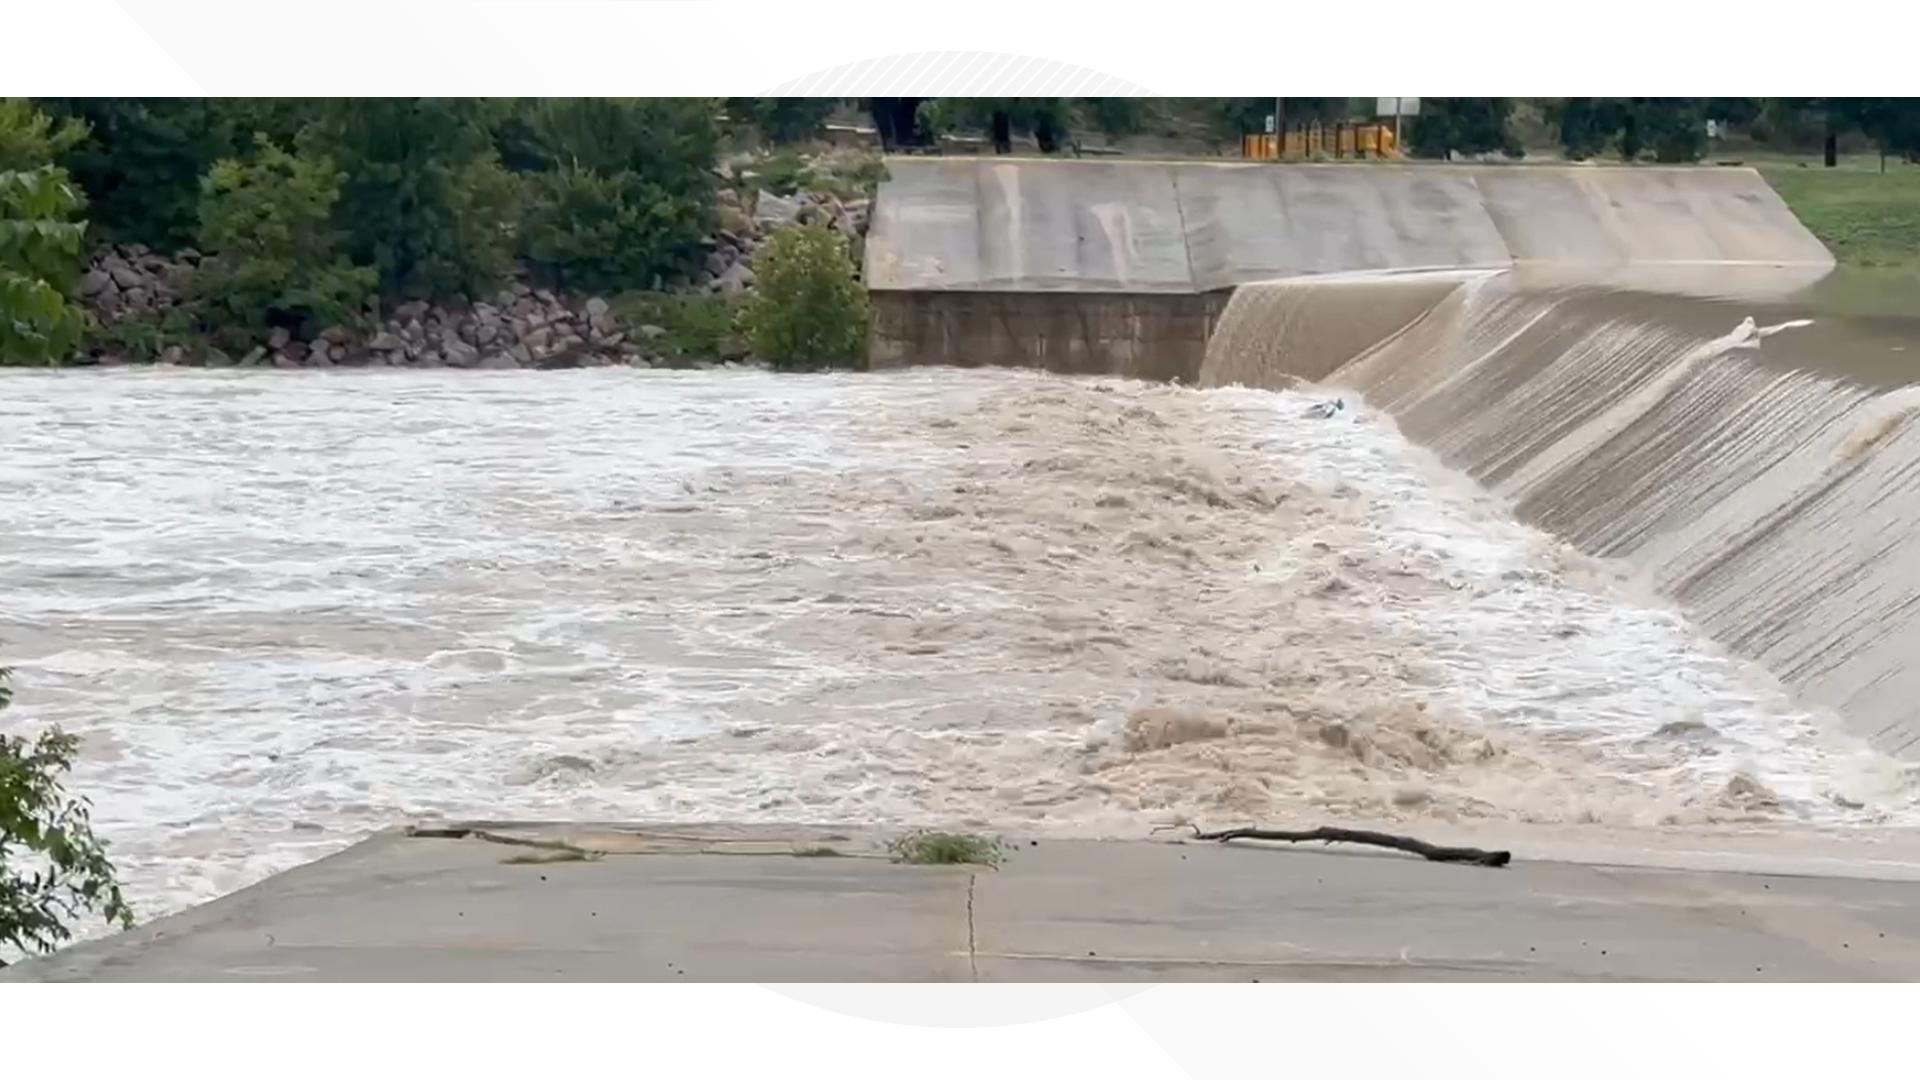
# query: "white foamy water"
285,609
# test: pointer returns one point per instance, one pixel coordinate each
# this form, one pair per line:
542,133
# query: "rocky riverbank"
139,299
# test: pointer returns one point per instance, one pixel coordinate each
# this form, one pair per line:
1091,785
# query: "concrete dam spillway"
1616,352
1734,470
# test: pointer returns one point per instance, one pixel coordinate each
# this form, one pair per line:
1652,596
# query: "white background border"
722,47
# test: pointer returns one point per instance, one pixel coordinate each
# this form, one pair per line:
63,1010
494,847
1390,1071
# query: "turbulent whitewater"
1763,471
287,609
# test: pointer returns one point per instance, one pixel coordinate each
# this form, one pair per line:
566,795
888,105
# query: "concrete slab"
714,903
1122,912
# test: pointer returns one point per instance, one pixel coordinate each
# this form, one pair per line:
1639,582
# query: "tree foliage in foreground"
808,310
52,869
41,237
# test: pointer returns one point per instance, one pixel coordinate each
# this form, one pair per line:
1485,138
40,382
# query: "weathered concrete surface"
708,903
1157,336
1147,227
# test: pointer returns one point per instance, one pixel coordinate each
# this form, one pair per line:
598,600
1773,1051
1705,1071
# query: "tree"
141,168
1673,128
268,222
1892,123
1464,125
619,191
1587,125
1120,116
674,141
783,119
425,201
31,137
1045,119
1237,117
52,869
41,237
807,309
898,121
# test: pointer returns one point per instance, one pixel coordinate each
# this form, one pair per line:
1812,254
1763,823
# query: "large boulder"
738,278
772,211
735,220
460,354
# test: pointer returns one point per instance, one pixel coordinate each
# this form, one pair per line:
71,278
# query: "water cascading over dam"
1764,473
1564,335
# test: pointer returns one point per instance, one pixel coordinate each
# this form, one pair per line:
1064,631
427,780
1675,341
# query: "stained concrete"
1121,267
1156,227
712,903
1159,336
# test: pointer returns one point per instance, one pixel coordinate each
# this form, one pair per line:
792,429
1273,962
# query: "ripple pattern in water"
285,609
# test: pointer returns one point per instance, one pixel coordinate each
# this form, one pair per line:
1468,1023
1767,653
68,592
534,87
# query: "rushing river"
286,609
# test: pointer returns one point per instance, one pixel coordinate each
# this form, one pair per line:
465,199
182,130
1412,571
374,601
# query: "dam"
1618,353
727,613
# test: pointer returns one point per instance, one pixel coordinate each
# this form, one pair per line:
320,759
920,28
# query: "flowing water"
1764,471
285,609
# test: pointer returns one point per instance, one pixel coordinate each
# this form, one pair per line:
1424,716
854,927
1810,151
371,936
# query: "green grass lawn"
1866,218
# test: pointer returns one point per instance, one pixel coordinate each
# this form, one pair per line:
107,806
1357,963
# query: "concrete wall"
1142,226
1146,336
1121,267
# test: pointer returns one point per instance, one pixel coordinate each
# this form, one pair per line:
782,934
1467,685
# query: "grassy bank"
1866,218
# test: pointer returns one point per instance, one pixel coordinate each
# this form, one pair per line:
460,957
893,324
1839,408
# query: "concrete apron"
511,902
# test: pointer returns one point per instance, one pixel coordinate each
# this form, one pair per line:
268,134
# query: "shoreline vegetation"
515,233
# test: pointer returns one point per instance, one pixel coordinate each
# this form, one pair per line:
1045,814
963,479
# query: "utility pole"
1396,125
1279,139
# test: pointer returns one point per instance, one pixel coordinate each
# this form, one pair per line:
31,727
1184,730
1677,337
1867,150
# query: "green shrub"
807,308
782,174
610,231
40,247
65,871
618,192
699,326
144,336
929,848
845,175
275,256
